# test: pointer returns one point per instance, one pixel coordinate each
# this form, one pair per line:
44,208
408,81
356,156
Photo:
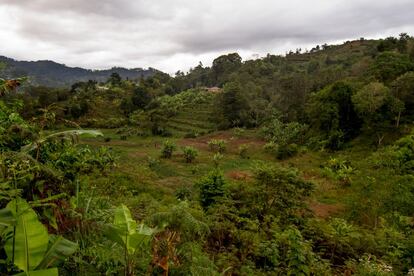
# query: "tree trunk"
398,119
380,138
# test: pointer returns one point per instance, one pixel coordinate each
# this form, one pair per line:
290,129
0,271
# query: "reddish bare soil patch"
239,175
322,210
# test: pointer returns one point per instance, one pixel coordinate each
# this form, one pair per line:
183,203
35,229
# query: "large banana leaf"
44,272
59,250
124,221
6,217
30,240
125,232
126,226
68,134
6,220
141,236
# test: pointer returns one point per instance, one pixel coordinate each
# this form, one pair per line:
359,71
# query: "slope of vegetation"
295,165
52,74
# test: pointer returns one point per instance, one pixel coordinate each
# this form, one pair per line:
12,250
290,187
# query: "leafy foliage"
168,149
190,154
212,188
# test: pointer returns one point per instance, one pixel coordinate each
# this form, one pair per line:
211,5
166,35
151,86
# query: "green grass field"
135,179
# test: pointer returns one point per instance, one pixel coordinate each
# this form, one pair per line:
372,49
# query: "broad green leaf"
125,232
30,239
6,217
141,237
45,272
124,221
114,234
126,225
59,250
64,134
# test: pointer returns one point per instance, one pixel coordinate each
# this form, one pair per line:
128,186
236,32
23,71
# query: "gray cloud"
173,35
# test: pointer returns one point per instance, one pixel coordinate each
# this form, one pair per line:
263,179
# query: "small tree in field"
244,151
211,188
217,145
190,154
168,149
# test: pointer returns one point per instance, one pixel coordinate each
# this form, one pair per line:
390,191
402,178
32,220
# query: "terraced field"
197,120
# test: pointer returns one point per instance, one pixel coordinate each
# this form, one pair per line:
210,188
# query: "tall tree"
372,103
232,105
389,65
403,90
224,65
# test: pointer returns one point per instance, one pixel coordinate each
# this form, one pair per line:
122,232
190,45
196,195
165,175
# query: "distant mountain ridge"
53,74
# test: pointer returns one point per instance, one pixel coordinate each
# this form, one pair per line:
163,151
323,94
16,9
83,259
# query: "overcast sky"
175,35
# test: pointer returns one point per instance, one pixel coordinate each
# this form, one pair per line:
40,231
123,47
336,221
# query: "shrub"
369,265
211,188
190,154
183,193
153,162
168,149
244,151
286,151
282,134
238,131
216,159
281,152
281,191
340,170
217,145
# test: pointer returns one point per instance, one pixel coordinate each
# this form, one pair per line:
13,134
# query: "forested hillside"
52,74
300,164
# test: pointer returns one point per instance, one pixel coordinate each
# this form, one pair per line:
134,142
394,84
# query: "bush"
217,145
369,266
211,188
217,159
244,151
282,152
340,170
152,162
282,134
238,131
183,193
286,151
398,157
168,149
190,154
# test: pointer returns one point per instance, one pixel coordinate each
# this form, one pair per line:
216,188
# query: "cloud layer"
174,35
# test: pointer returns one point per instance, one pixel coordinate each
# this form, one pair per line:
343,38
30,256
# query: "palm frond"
72,135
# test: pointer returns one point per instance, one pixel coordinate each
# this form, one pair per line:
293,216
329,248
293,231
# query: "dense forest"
301,164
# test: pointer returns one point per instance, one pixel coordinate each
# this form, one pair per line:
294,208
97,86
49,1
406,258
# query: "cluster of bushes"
283,138
168,149
217,145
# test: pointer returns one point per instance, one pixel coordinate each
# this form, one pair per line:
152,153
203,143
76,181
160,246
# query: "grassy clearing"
135,175
143,179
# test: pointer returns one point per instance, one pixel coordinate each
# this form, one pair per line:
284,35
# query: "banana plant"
127,233
28,245
71,135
